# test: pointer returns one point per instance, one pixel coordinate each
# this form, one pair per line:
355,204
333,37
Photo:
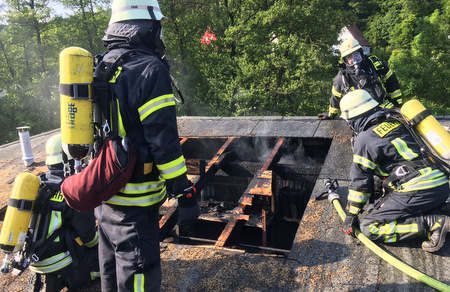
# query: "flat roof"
322,257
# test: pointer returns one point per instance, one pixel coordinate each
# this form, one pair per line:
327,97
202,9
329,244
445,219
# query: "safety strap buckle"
34,258
402,171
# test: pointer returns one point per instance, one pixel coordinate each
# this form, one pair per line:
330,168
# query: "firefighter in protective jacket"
71,259
415,190
128,222
358,71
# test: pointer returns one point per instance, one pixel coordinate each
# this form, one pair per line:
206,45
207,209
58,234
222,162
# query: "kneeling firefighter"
66,240
415,189
141,87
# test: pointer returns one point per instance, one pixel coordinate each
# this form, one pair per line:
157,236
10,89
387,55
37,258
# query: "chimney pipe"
25,143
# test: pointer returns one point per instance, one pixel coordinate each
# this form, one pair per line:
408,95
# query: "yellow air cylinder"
18,212
76,77
428,127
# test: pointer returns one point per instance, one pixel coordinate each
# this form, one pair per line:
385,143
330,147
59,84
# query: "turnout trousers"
129,254
398,216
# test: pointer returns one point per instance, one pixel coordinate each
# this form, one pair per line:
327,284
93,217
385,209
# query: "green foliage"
271,57
30,42
422,66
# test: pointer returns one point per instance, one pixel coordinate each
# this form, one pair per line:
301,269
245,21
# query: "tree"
423,67
32,16
270,57
90,16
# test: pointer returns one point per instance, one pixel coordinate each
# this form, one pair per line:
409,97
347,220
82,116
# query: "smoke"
254,149
294,153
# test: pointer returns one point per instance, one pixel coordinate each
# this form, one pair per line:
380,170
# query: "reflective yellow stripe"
93,242
390,230
407,228
122,132
139,280
403,149
427,180
52,264
172,169
156,104
380,172
354,210
396,94
94,275
390,238
335,92
55,223
364,162
141,201
143,188
387,104
388,74
333,110
357,197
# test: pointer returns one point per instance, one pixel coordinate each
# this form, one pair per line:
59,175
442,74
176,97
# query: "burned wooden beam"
166,223
261,185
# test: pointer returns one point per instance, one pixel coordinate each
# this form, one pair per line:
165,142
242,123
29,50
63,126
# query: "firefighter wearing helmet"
413,204
129,222
358,71
70,258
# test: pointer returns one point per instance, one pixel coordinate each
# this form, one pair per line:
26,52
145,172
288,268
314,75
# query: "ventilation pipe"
25,143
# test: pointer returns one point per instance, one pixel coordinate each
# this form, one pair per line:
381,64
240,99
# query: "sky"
59,8
55,5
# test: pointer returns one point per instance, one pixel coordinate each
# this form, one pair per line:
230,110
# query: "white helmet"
135,9
356,103
53,150
349,46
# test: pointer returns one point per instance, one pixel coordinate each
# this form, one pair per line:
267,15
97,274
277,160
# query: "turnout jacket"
375,77
385,148
77,231
147,116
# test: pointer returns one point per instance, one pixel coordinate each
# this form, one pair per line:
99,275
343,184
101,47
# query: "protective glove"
351,221
326,116
188,209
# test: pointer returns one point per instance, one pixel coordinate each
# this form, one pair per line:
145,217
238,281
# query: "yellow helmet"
53,150
356,103
349,46
135,9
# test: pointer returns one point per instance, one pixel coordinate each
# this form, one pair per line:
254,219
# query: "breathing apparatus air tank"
427,126
75,88
18,213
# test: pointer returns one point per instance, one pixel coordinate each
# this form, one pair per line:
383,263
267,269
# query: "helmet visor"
353,59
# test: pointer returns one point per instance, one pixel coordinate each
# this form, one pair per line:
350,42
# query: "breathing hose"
333,197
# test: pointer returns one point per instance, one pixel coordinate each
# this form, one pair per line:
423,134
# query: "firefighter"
358,71
129,222
415,190
71,259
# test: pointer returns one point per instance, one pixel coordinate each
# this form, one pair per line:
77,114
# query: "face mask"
353,59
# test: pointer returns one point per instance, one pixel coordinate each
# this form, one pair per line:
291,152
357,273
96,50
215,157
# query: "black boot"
437,227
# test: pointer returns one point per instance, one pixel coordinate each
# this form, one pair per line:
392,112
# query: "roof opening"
254,191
